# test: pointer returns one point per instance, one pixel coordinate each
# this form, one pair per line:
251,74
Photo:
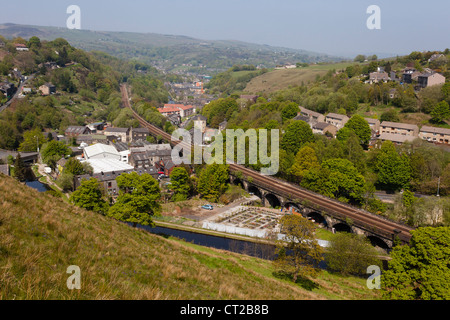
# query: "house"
210,134
396,138
392,93
139,134
436,135
7,88
436,56
337,120
153,152
199,122
105,171
175,119
165,166
404,129
21,47
374,125
410,74
97,126
375,77
248,97
91,139
430,79
2,44
47,89
167,111
324,128
122,133
140,160
124,151
223,125
101,151
75,131
314,117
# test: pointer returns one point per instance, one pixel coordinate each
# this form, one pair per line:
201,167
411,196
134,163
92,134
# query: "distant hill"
169,52
41,236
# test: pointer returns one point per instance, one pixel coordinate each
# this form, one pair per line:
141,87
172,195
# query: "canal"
258,250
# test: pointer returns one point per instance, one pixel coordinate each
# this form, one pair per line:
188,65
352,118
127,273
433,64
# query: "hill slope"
169,52
40,236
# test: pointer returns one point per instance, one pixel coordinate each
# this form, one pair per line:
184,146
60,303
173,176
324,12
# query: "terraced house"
433,134
399,128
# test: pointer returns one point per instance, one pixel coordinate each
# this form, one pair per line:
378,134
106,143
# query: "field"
282,79
41,236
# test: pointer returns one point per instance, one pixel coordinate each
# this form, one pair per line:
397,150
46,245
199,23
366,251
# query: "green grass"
40,236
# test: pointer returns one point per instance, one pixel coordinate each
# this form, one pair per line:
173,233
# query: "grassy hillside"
282,79
40,236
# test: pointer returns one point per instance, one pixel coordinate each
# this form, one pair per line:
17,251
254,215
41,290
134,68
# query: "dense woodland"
87,87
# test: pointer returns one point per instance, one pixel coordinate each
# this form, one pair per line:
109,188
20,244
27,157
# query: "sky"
337,27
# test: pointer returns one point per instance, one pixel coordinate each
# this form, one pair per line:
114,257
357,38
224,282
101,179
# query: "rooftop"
337,116
124,130
399,125
310,112
321,125
435,130
99,148
396,137
108,165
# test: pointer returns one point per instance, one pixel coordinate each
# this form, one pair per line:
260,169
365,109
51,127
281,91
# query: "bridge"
278,193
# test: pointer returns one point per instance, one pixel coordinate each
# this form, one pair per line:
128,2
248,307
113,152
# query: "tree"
304,161
390,115
297,133
299,252
360,58
361,128
54,148
19,169
394,170
137,201
421,270
32,139
74,167
441,112
212,182
337,178
351,254
89,196
180,184
289,111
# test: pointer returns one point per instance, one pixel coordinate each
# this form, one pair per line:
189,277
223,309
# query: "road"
18,91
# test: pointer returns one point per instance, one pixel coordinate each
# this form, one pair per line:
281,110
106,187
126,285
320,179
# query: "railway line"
369,221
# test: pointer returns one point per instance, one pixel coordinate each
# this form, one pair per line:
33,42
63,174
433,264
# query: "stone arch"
292,207
255,190
238,182
318,218
272,200
378,242
342,227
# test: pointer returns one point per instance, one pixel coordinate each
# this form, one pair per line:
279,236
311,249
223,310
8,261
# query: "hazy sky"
328,26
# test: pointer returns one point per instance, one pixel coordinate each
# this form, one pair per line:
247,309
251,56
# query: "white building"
101,151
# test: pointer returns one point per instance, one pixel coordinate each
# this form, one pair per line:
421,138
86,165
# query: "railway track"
364,219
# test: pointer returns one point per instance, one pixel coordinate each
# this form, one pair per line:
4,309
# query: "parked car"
207,207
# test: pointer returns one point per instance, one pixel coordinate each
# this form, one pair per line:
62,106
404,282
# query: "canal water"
37,185
259,250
